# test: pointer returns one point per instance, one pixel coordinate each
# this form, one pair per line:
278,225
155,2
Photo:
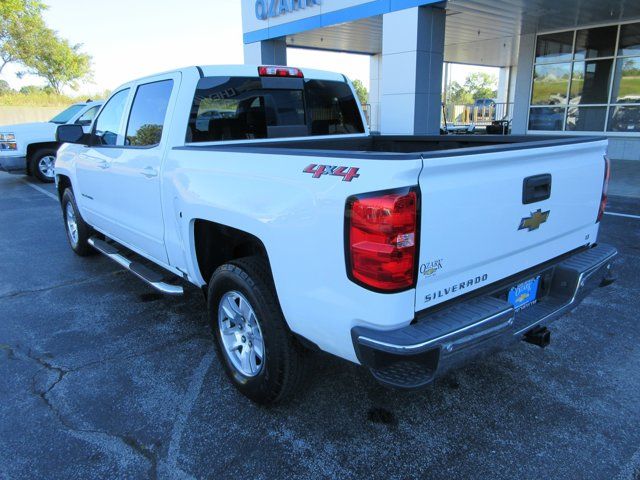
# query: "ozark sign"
273,8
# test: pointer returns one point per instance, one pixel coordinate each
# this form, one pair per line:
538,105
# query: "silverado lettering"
455,288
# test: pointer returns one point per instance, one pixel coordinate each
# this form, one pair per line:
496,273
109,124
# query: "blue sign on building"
272,8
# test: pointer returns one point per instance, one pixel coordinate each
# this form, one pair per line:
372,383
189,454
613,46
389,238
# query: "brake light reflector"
605,188
381,230
278,71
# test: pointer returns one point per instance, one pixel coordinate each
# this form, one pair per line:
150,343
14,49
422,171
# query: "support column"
267,52
412,58
524,73
375,79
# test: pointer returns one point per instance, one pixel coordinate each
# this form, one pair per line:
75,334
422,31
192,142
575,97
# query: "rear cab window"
247,108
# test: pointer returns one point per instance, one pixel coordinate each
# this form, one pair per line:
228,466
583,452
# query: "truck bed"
398,147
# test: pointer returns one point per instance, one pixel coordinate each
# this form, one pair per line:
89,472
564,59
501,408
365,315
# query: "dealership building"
567,67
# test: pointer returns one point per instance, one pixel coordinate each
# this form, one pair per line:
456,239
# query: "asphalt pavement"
100,377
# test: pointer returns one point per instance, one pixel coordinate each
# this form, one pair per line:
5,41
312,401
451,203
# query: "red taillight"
381,234
277,71
605,188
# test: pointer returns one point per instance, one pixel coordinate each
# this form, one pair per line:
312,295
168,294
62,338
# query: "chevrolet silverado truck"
263,187
31,147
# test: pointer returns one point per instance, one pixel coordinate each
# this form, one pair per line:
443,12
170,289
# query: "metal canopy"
480,32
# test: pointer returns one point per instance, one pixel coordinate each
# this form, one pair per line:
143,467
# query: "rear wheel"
260,355
78,231
42,164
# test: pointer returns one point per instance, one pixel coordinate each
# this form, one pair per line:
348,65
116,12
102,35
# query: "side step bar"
139,270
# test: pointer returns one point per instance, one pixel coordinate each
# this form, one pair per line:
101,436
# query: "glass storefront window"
546,118
629,39
554,47
624,118
582,83
626,86
590,81
550,84
586,119
596,42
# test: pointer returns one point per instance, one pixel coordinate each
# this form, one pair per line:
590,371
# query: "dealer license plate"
524,294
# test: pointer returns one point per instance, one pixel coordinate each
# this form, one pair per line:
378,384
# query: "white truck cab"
262,186
31,147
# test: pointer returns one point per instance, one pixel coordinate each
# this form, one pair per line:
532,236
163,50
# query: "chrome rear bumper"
413,356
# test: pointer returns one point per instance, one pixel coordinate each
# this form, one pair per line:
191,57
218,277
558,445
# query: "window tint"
546,118
624,119
107,126
147,113
554,47
550,84
586,119
596,42
626,87
332,108
241,108
590,81
87,117
629,39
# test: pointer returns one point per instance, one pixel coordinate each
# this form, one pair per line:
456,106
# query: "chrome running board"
144,273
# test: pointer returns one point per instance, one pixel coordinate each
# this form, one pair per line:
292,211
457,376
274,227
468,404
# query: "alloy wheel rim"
46,165
72,224
241,335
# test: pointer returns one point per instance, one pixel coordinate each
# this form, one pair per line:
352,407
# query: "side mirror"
71,133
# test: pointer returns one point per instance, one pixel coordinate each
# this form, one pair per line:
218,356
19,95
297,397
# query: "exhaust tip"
539,336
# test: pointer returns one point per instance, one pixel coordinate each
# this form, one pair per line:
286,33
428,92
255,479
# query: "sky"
129,39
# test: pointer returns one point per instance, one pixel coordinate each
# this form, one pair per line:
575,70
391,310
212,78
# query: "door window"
108,125
87,117
147,114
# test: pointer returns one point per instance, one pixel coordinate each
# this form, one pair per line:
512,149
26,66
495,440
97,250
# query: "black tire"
284,356
81,246
35,161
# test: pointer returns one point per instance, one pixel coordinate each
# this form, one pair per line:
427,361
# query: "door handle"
103,164
536,188
149,172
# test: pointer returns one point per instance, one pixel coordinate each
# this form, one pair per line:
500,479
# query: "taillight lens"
382,232
278,71
605,187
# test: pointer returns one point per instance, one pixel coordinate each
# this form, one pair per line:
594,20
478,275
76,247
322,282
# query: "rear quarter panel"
300,220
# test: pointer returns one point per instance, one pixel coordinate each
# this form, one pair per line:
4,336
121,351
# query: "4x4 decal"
347,173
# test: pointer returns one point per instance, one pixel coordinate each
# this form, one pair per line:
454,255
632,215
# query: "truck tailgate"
476,229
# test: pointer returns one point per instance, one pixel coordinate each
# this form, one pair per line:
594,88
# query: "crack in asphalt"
102,438
71,283
97,437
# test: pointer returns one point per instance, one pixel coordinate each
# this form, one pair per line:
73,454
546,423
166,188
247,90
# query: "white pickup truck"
263,187
31,147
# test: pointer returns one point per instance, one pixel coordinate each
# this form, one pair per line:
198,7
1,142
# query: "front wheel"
78,231
260,355
43,164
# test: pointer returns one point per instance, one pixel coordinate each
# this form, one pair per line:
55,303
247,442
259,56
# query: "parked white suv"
263,187
31,147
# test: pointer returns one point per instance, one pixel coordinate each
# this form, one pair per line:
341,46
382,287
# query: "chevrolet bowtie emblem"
536,219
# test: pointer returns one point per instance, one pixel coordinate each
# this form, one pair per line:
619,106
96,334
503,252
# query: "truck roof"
244,71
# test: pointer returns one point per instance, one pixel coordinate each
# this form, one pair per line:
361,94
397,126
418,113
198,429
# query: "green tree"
458,95
4,87
25,39
20,24
57,61
476,85
481,85
361,91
